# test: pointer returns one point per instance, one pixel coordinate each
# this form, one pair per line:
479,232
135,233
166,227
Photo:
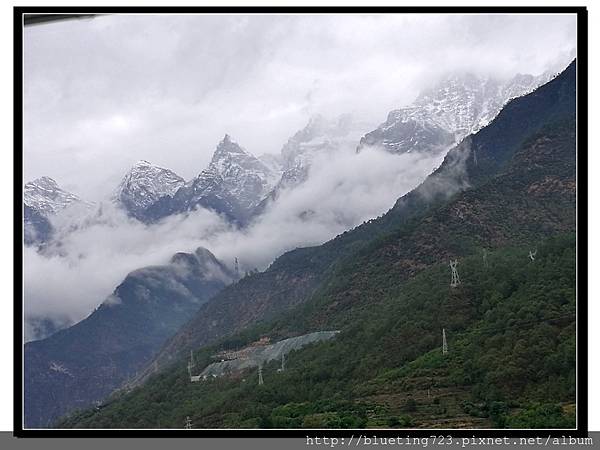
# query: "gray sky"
101,94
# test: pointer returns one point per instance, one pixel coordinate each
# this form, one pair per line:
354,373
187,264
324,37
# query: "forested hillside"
298,276
511,361
510,323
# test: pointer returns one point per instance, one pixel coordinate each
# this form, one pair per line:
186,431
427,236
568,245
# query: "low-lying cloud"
68,280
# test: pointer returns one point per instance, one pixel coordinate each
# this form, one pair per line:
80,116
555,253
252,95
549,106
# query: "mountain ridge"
43,199
83,363
391,298
441,116
295,276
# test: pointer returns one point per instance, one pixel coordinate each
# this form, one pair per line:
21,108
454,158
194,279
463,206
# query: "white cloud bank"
101,94
343,190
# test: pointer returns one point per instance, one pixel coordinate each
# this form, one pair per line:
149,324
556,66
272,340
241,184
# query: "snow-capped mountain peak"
242,174
143,186
234,182
44,201
229,158
457,105
46,197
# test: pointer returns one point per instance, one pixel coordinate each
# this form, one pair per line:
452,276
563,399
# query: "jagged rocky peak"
143,186
242,175
234,182
44,182
146,183
319,135
457,102
457,105
45,196
228,146
45,204
229,157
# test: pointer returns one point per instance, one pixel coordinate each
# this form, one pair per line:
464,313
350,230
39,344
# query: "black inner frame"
25,16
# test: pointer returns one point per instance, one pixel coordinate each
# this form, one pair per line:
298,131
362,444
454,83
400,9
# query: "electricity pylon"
188,423
282,368
455,278
444,342
532,254
260,377
191,364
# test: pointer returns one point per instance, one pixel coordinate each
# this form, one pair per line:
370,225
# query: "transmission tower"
237,267
191,364
188,423
455,278
532,254
260,377
282,368
444,342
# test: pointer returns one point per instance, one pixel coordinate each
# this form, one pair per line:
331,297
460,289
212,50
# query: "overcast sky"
101,94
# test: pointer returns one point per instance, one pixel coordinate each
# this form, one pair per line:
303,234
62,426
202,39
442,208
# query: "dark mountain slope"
293,278
533,199
510,323
84,363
